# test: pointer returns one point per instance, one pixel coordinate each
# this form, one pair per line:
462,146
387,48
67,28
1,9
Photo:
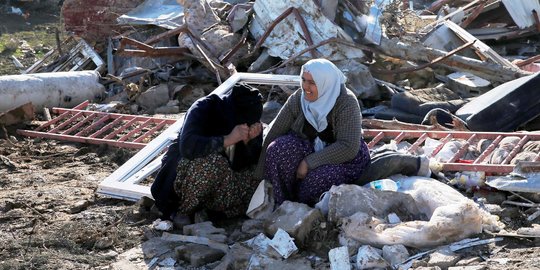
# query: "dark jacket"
206,123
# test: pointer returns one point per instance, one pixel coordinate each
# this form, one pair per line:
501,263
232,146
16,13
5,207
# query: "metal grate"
120,130
457,162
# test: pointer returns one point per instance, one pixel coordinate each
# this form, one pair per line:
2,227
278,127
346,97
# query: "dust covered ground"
51,217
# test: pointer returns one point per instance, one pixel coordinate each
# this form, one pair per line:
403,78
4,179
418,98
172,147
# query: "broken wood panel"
480,46
417,52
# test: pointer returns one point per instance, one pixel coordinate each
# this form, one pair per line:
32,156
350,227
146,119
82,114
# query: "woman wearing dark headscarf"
213,156
316,139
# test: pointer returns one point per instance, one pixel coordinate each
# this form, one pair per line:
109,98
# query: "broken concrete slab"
467,84
370,257
296,219
258,261
262,202
283,244
446,209
169,237
339,259
237,258
443,258
154,97
206,229
395,254
198,255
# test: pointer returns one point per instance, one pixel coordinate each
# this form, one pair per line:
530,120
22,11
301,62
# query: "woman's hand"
239,133
254,130
302,170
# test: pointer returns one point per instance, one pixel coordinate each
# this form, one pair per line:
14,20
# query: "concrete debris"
457,76
198,255
206,229
296,219
283,244
339,258
370,257
395,254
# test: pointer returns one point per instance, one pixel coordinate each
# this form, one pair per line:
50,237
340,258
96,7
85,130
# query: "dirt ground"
51,217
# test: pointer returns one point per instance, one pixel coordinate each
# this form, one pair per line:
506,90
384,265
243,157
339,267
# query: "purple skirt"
285,154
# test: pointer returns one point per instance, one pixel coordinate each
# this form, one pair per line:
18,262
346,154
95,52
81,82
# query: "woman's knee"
285,143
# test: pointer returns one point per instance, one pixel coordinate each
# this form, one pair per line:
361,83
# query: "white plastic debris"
451,216
162,225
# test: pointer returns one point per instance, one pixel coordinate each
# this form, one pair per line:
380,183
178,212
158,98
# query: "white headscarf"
328,79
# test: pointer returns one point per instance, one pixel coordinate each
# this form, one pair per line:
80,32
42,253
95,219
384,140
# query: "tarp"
164,13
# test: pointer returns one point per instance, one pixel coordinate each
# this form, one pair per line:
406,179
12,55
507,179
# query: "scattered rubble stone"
198,255
296,219
443,259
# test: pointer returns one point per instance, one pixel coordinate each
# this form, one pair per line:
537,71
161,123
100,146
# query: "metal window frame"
124,182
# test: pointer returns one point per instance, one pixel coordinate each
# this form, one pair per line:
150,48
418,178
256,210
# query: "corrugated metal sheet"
287,37
521,11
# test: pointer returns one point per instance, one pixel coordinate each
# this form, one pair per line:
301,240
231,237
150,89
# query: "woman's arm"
194,143
279,126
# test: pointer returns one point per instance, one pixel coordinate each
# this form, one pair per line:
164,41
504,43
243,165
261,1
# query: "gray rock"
206,229
443,258
345,200
198,255
470,267
237,258
395,254
79,206
370,257
469,261
154,97
296,219
258,261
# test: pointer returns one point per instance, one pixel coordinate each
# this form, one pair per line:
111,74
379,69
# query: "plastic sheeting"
164,13
451,217
521,11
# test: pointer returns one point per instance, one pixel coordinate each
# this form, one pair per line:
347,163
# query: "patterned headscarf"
328,79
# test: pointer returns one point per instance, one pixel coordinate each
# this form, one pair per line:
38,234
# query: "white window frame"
124,182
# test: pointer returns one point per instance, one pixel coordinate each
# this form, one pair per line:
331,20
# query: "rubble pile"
447,87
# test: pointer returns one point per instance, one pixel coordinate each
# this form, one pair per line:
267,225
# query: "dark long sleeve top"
206,123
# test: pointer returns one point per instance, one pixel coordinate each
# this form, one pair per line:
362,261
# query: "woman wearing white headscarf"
316,139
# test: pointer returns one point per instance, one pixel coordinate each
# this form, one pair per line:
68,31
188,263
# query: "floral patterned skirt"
209,183
285,154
